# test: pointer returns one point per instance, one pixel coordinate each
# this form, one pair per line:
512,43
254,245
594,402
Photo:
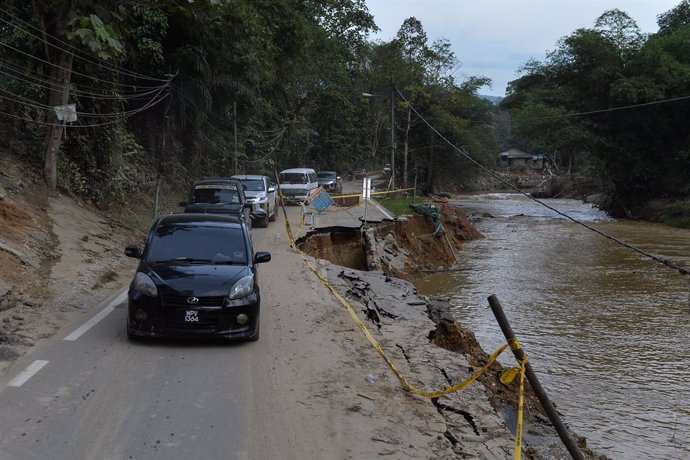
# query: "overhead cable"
86,57
661,260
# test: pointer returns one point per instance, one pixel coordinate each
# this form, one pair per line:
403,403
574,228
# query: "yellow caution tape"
335,197
507,377
406,383
521,403
392,191
514,344
373,193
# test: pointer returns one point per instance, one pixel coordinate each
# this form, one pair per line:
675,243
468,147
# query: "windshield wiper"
191,260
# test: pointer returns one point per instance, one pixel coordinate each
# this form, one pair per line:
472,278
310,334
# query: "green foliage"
287,75
100,38
567,106
400,206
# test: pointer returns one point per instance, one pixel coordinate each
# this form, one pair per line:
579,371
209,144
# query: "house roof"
515,153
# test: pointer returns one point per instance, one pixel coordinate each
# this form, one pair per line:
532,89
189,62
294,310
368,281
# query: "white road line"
27,373
385,213
93,321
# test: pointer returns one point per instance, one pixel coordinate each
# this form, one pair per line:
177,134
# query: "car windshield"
188,243
215,194
293,178
253,185
326,175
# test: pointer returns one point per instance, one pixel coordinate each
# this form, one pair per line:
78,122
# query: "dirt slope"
57,259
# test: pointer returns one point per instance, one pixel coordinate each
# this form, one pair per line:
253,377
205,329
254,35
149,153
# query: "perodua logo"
192,300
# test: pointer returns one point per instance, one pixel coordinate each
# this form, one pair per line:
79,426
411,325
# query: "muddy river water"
606,330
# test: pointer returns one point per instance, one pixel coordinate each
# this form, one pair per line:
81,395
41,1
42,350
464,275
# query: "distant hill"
493,99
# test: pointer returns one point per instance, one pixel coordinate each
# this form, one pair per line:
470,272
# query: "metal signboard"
320,200
66,113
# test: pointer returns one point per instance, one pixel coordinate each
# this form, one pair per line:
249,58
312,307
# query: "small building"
516,158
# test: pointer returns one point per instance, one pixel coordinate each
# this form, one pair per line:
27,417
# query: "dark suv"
219,195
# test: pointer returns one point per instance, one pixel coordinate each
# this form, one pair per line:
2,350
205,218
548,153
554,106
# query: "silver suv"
260,192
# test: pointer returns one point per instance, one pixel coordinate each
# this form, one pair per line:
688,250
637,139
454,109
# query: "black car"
330,181
221,195
196,278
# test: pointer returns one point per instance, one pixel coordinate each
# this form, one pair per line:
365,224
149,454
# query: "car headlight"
243,287
144,284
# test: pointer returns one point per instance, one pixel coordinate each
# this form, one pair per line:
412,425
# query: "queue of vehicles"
197,274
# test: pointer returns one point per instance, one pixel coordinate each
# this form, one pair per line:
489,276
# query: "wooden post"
550,410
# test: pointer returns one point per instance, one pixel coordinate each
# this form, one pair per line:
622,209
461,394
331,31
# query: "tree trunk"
52,17
59,95
430,176
406,147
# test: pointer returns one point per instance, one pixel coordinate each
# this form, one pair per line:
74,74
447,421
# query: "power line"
118,118
611,109
88,58
56,87
661,260
31,103
74,72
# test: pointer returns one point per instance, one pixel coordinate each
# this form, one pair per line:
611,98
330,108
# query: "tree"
71,23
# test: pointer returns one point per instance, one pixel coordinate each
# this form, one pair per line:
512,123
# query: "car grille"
181,301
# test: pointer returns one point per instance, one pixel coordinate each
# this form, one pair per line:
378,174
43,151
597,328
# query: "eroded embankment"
400,248
437,350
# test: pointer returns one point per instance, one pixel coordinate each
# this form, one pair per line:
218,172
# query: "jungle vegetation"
168,91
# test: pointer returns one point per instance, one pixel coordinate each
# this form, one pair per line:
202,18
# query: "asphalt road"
89,393
102,396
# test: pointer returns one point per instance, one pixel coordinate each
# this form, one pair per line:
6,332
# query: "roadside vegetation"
400,205
165,92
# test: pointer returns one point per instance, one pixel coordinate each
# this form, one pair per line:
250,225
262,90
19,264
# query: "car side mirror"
261,257
182,203
337,178
133,251
248,205
271,189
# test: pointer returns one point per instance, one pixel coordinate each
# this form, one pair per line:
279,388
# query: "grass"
399,206
678,222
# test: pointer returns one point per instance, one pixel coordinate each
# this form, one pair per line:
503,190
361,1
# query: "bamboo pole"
550,410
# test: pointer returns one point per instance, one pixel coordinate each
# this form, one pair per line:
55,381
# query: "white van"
298,183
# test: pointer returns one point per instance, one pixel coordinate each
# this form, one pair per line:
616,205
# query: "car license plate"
191,316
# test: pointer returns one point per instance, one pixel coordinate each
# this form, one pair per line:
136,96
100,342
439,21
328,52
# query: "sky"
494,38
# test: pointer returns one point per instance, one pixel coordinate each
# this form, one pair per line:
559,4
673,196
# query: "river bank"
580,303
367,268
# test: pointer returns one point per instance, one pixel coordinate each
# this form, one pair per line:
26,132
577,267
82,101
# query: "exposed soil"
400,248
56,259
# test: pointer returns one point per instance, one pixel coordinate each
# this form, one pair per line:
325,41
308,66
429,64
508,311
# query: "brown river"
606,329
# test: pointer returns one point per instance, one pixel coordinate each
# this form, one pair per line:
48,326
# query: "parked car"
359,174
220,195
260,191
297,184
330,181
196,278
387,168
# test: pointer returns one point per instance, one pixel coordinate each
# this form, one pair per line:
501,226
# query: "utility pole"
166,129
392,135
234,121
